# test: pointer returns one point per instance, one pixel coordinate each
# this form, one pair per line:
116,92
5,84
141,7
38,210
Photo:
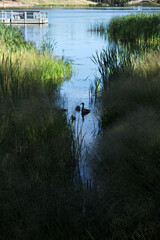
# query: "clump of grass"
135,28
98,27
116,64
12,38
110,63
43,67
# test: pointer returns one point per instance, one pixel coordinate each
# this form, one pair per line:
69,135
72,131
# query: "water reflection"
32,31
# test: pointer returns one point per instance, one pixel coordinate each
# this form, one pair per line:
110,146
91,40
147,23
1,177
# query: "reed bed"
42,65
29,116
135,28
126,165
98,27
144,28
37,161
126,162
42,195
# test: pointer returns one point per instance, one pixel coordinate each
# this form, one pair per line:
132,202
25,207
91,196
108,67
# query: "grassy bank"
45,4
70,3
54,3
37,157
127,166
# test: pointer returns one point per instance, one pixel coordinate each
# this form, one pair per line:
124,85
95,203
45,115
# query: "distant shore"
68,3
11,4
45,4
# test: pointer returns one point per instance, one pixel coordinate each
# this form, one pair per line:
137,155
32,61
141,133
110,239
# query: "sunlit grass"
135,28
40,65
131,28
30,119
28,76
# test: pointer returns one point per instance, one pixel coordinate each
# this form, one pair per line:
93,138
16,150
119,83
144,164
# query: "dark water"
69,29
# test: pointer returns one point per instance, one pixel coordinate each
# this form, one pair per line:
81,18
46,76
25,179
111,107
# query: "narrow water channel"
68,28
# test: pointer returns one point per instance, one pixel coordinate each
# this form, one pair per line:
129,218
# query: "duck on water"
84,110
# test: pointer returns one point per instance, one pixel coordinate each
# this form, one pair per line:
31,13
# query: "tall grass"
131,28
98,27
126,162
12,38
42,195
29,116
110,63
37,161
135,28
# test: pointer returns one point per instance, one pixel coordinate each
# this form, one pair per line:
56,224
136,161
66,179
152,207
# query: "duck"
78,108
73,118
84,110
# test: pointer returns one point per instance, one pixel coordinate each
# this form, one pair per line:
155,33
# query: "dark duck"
78,108
84,110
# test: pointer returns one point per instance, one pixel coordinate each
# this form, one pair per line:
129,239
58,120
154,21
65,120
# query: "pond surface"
69,29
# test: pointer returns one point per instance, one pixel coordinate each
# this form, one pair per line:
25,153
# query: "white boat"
24,17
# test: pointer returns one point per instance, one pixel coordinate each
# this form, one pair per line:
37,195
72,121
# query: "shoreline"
45,5
69,3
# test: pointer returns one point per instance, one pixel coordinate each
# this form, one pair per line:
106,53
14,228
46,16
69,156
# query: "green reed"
128,153
12,38
135,28
29,115
36,142
42,195
41,67
131,28
98,27
110,63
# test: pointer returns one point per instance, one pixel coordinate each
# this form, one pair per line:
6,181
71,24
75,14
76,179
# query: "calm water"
69,29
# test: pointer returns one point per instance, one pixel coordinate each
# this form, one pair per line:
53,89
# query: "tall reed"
135,28
98,27
37,161
110,63
126,159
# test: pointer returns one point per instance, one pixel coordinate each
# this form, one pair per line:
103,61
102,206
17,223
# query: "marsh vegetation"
42,195
37,157
127,166
139,28
135,28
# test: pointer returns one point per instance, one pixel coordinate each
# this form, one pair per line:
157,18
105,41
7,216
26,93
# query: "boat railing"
10,16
